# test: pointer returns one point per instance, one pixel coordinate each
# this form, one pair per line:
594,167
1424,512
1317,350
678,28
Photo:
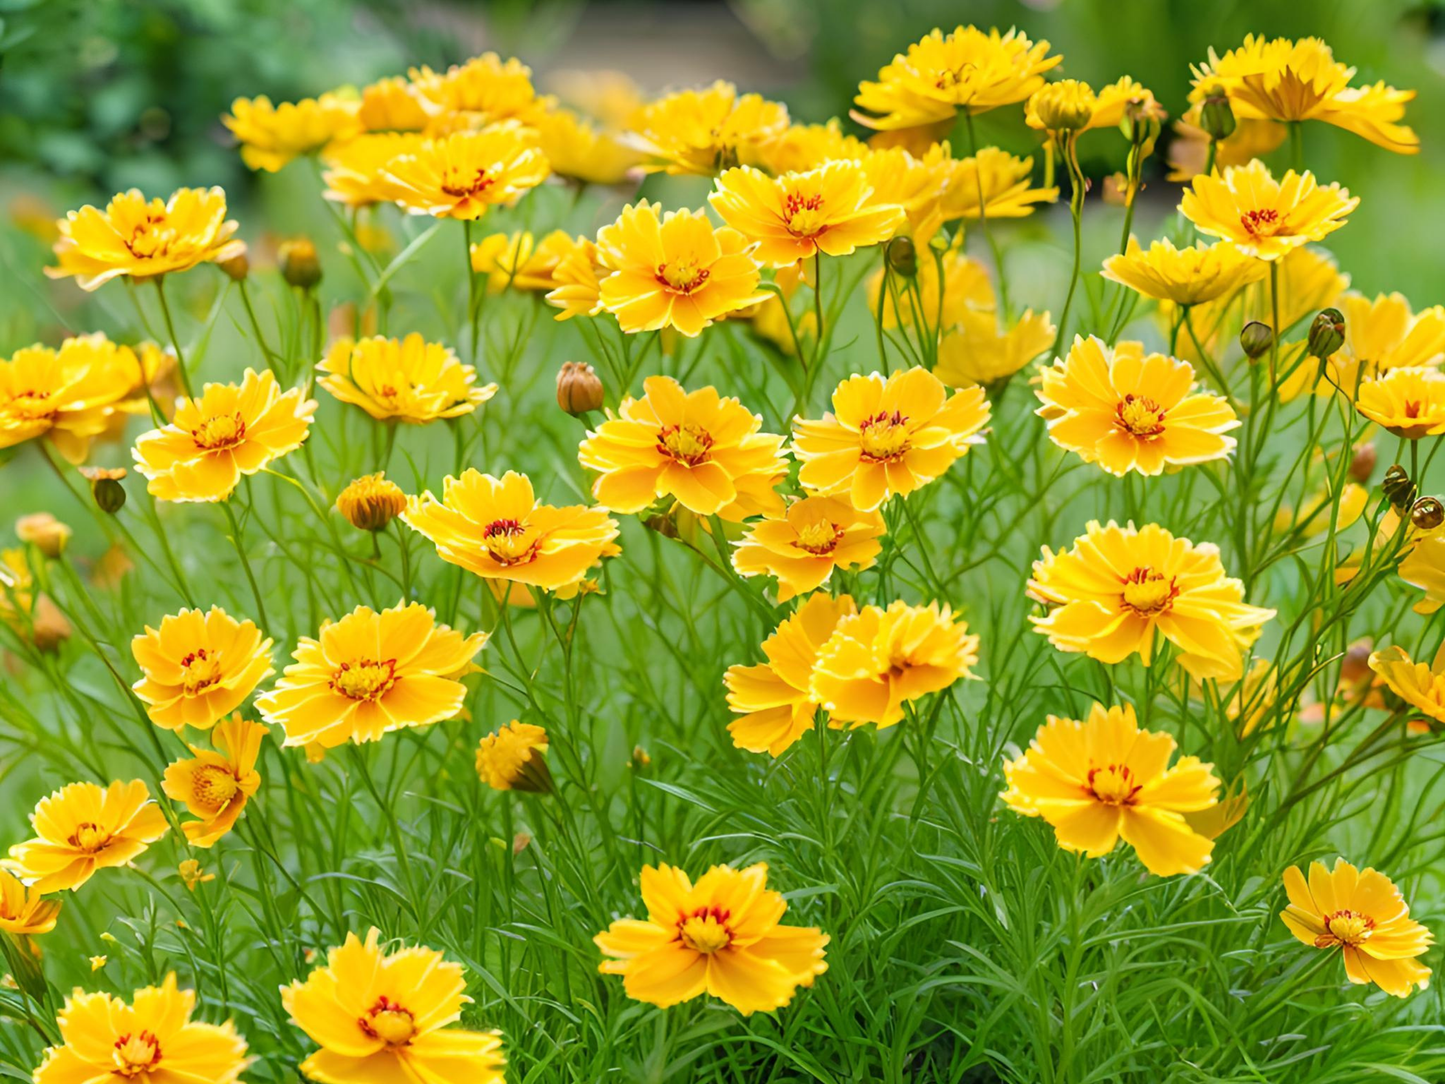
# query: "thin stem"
237,541
171,331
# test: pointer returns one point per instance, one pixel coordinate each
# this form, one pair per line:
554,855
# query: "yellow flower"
578,289
722,936
1265,217
1380,335
774,700
272,135
704,450
1408,401
800,215
394,104
609,95
1423,567
22,910
704,131
1119,585
356,170
371,502
83,827
577,150
496,529
978,352
969,70
199,667
511,759
215,786
1285,80
382,1018
887,436
1421,686
191,874
144,239
407,380
1070,105
68,395
1184,276
1189,149
1000,181
917,185
17,589
97,962
1102,778
674,269
801,147
463,174
1362,913
803,545
106,1041
518,261
484,90
369,674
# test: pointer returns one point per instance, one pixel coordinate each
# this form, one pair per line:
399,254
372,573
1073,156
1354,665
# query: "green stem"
159,280
240,545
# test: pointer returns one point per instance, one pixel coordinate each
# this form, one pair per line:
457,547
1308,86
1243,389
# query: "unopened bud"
1399,490
1065,106
1256,340
371,502
44,532
1427,514
663,523
237,267
1140,124
105,487
1216,116
1362,466
579,389
903,256
1327,334
299,263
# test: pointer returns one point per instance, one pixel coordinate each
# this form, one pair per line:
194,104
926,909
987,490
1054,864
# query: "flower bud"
105,487
44,532
1216,116
48,626
902,256
371,502
1427,513
578,388
1256,340
1140,124
237,267
1327,334
1362,465
1398,488
512,759
299,263
1065,106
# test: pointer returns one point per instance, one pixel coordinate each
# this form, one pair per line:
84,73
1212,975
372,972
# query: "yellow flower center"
365,679
1113,784
683,275
509,542
804,214
214,786
149,237
686,443
706,930
135,1054
460,183
202,671
1345,928
89,837
1139,415
389,1022
1263,221
819,538
885,436
1147,592
219,432
32,405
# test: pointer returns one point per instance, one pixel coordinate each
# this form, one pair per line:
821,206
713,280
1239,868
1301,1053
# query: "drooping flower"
369,674
722,936
1185,276
199,667
1408,401
1262,216
978,352
463,174
803,545
1380,335
704,131
1102,778
406,380
512,759
23,911
214,786
272,135
84,827
67,395
383,1018
1420,685
576,149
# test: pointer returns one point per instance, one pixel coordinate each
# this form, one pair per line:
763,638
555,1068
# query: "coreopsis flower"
1072,106
992,184
214,786
1362,913
404,380
1408,401
484,90
978,352
578,289
43,531
519,261
1420,685
199,667
498,530
1102,778
371,502
1126,410
512,759
83,827
153,1039
383,1018
1380,335
1189,149
143,239
674,269
774,700
192,875
369,674
970,70
23,912
1283,80
272,135
581,152
803,545
802,147
1262,216
395,104
1184,276
609,95
704,131
355,172
1117,586
899,178
67,395
887,436
463,174
722,936
1423,567
797,216
706,451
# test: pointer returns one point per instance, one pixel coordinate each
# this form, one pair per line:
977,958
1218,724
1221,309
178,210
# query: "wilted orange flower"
518,261
1265,217
1102,778
84,827
992,184
887,436
722,936
704,131
577,150
463,174
272,135
369,674
215,786
199,667
23,913
355,172
1408,401
1420,685
496,528
803,545
511,759
1185,276
979,352
704,450
142,239
1119,585
67,395
1380,335
802,147
484,90
406,380
578,289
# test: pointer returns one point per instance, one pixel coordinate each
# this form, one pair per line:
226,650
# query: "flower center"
214,786
804,214
705,930
1413,408
1262,220
684,275
1345,928
219,432
389,1022
1112,784
460,183
136,1053
89,837
365,679
687,443
819,537
1147,592
149,239
32,405
509,541
885,436
202,671
1139,415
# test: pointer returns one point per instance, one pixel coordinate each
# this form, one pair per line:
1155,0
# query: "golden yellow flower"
1102,778
887,436
774,700
17,589
272,135
704,131
1380,335
1184,276
369,674
371,502
722,936
578,289
106,1041
98,962
191,874
484,90
898,178
577,150
214,786
803,545
463,174
199,667
23,912
1070,105
394,104
83,827
1362,913
705,451
68,395
1407,401
609,95
998,181
1265,217
978,352
1108,596
511,759
518,261
407,380
142,239
802,147
1420,685
496,529
1422,567
355,172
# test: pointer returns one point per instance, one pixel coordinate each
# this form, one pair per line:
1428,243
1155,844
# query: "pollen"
1263,220
1148,592
214,786
136,1054
885,436
804,214
1140,416
706,930
219,432
389,1022
1113,784
89,837
819,538
1345,927
365,679
685,443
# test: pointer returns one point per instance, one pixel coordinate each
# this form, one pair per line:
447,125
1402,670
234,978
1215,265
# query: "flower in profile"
799,215
577,288
105,1041
704,131
1102,778
706,451
214,786
1420,685
192,875
978,352
371,502
992,184
272,135
402,380
887,436
394,104
774,700
383,1018
1380,335
970,70
67,395
1117,586
83,827
674,269
498,530
518,261
577,150
142,239
1126,410
512,759
803,545
484,90
369,674
1362,913
1408,401
198,667
463,174
355,172
23,912
1185,276
1262,216
722,936
802,147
